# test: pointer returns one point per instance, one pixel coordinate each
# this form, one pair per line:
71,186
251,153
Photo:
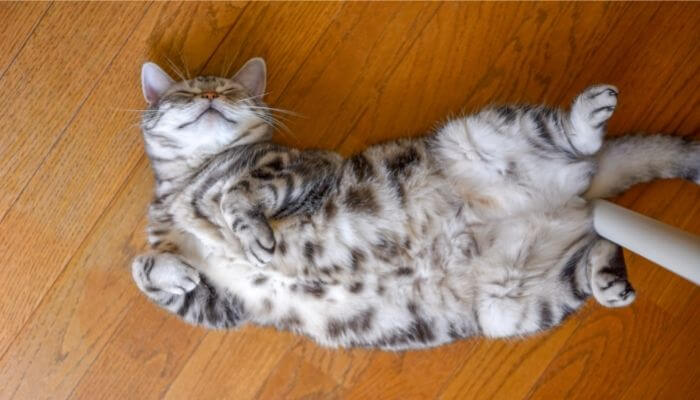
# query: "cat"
482,228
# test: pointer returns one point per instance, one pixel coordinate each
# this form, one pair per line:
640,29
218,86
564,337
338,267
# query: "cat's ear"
154,82
253,76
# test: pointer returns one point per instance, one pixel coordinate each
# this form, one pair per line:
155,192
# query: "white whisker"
277,124
137,110
279,110
228,64
252,97
281,127
184,64
130,126
272,114
178,72
175,69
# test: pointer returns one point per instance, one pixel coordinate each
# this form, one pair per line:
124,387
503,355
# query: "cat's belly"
452,269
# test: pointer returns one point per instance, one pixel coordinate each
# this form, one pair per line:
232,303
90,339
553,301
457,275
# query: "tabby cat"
482,228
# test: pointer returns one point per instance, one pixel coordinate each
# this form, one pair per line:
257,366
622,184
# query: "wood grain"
76,186
44,89
69,205
19,22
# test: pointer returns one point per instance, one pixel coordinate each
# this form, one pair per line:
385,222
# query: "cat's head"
205,115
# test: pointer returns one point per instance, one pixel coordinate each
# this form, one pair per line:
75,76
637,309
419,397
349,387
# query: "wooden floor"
75,186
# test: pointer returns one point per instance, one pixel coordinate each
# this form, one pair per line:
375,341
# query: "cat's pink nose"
211,95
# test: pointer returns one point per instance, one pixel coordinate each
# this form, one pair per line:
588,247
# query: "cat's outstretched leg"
179,288
588,117
608,275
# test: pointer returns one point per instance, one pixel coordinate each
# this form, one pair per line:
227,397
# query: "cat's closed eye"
183,93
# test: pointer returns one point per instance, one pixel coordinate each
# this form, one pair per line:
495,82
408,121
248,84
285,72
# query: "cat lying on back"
483,228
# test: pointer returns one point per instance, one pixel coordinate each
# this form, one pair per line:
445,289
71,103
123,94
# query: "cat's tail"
628,160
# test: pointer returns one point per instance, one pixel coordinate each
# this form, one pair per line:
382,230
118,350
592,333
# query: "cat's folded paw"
258,242
164,272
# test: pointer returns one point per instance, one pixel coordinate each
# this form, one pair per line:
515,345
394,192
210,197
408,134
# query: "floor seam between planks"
122,187
68,124
26,40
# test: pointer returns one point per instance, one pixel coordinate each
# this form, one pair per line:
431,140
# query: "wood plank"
284,54
499,369
19,21
85,306
346,367
50,72
231,365
294,378
186,35
607,341
139,367
409,375
526,35
333,82
47,73
72,203
670,370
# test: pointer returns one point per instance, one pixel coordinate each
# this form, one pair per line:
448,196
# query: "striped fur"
479,229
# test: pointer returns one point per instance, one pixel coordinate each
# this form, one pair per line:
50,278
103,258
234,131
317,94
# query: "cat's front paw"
164,272
258,240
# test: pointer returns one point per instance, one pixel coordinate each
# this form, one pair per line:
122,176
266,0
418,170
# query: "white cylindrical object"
671,248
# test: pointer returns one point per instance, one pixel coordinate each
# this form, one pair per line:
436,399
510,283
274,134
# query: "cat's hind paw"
609,282
589,116
613,291
596,104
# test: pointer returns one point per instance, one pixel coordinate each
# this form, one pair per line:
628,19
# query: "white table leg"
671,248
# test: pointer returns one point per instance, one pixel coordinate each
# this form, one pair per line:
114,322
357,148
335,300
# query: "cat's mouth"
208,111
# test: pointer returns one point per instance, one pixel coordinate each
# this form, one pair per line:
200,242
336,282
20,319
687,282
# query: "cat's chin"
210,118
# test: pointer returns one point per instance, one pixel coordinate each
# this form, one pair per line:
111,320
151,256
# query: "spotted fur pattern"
483,228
